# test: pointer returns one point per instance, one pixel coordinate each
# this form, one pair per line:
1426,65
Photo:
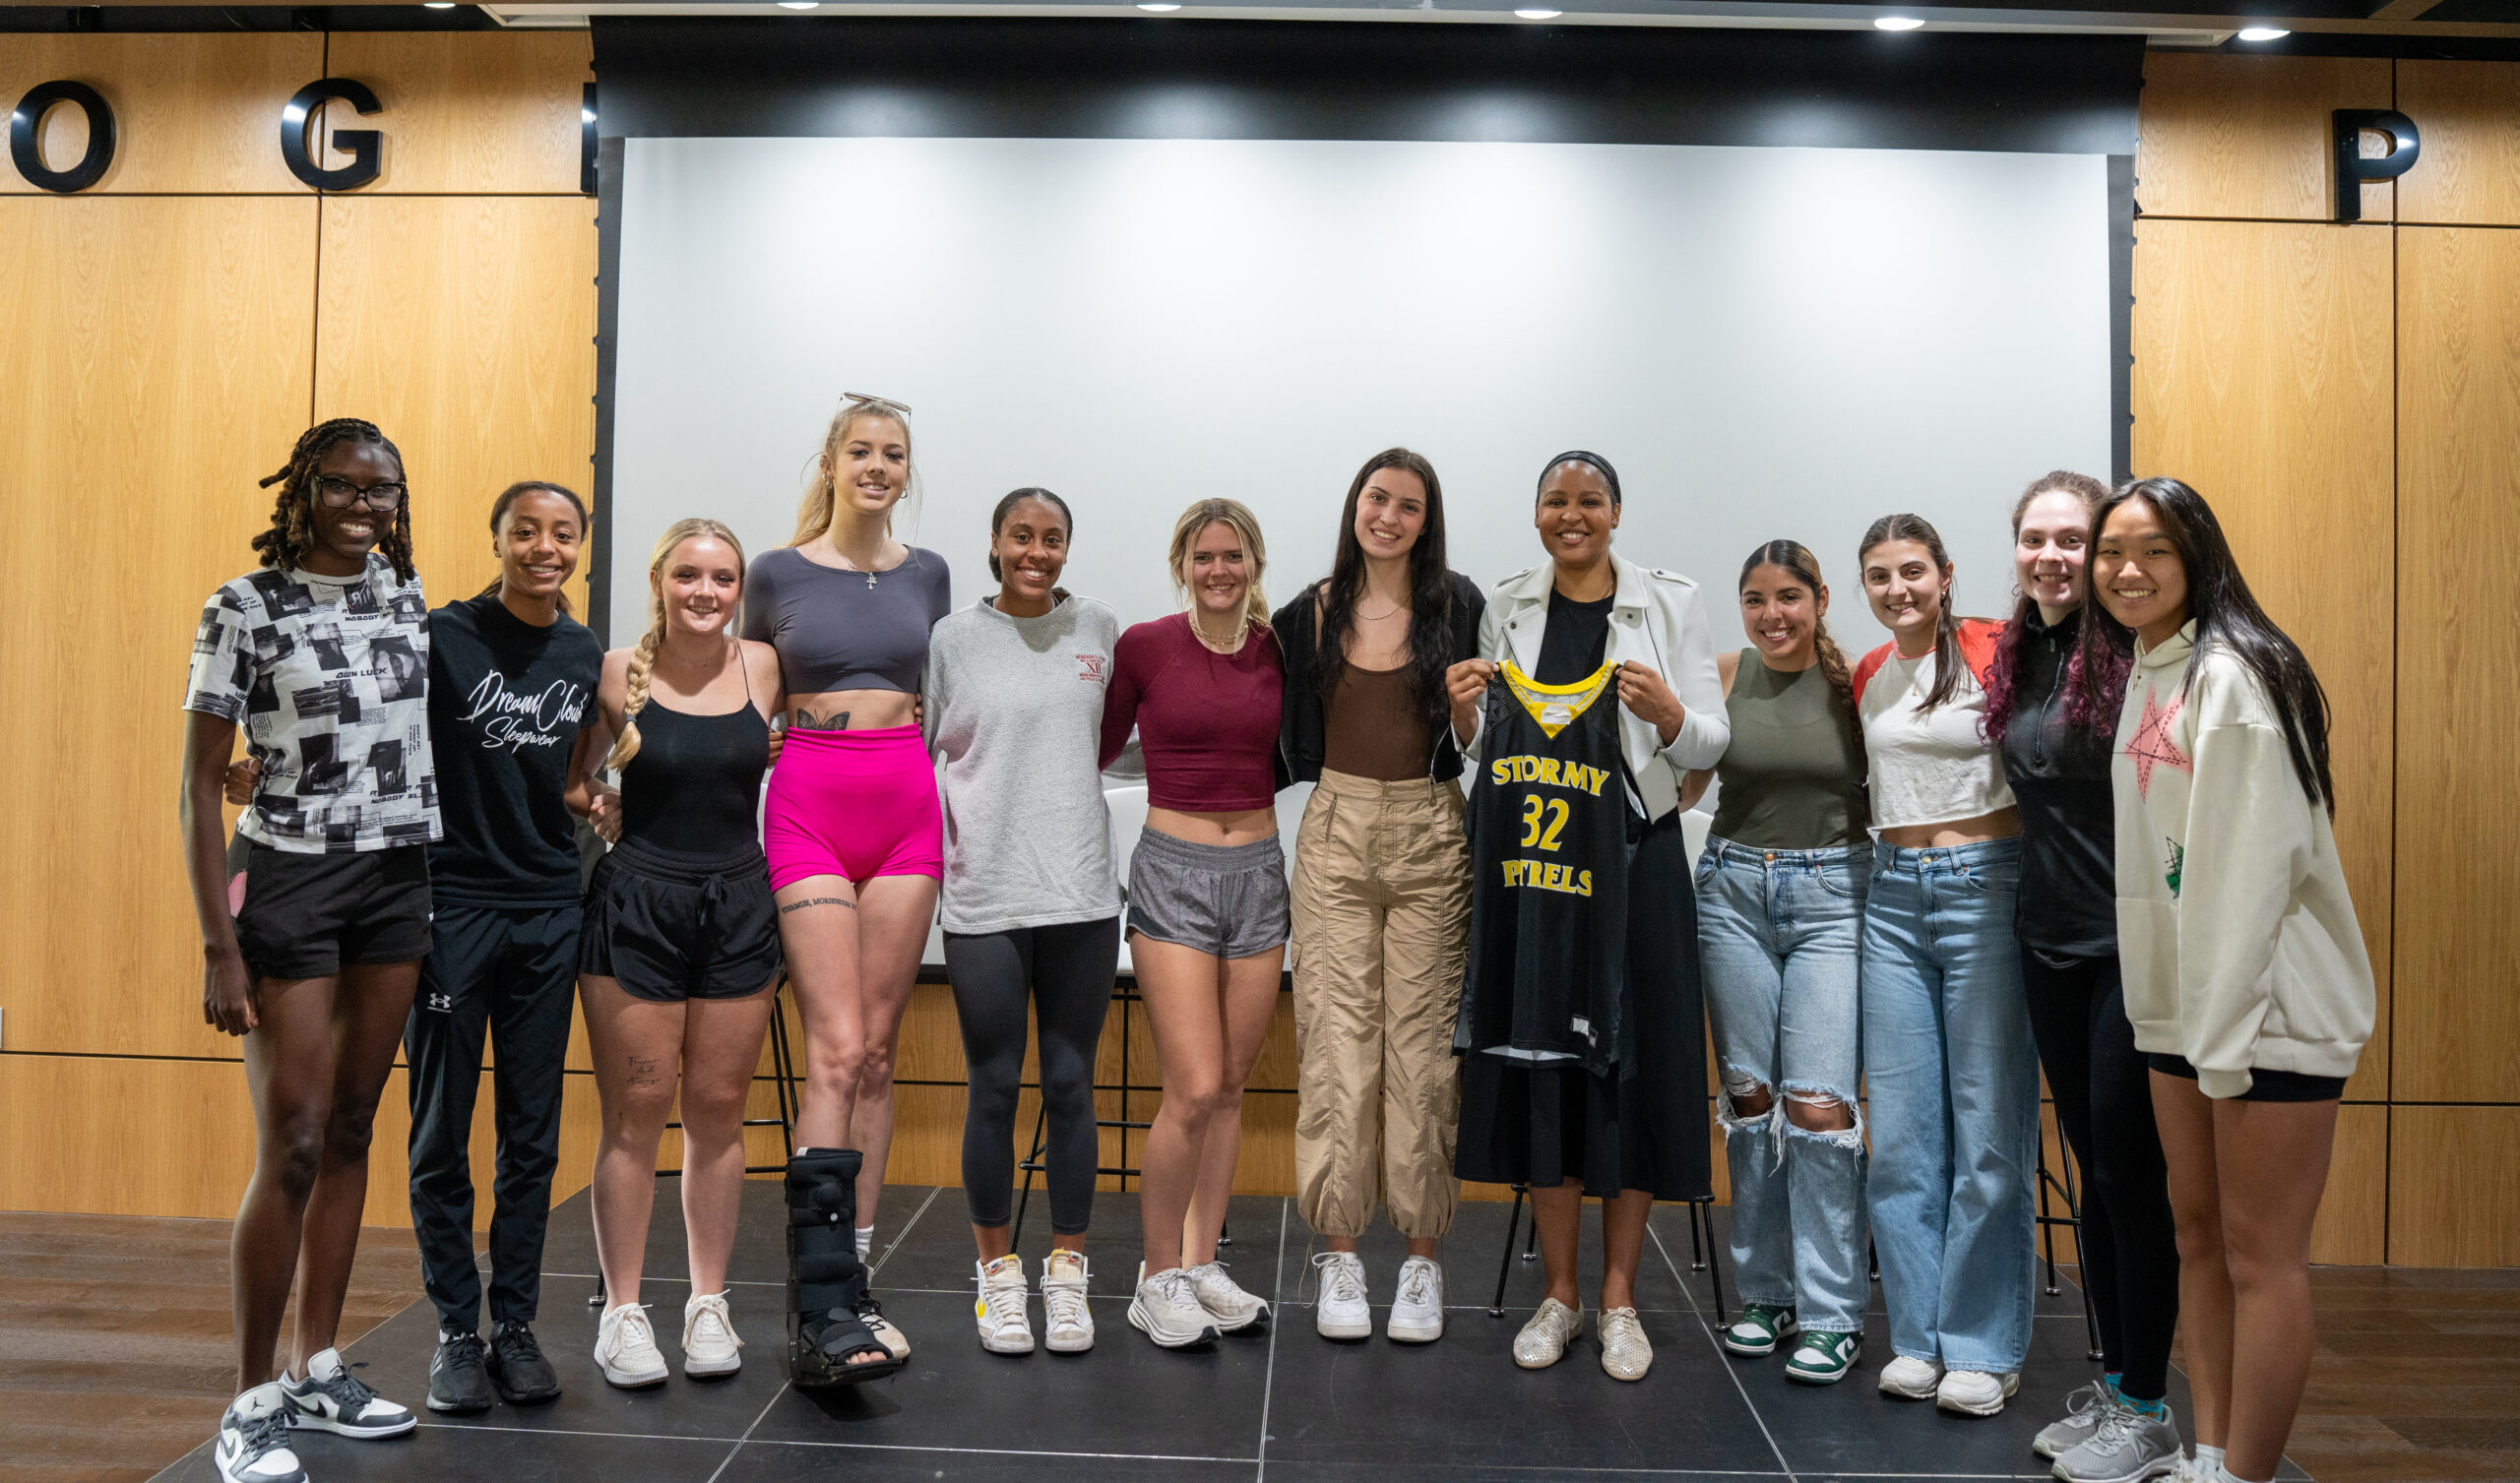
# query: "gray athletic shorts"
1228,900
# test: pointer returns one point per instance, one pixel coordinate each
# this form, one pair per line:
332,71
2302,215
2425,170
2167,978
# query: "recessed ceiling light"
437,4
1895,23
2264,33
798,4
1536,13
1159,6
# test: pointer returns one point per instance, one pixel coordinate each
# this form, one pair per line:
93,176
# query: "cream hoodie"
2234,930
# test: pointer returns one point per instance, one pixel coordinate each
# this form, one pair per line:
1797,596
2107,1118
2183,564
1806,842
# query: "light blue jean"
1953,1080
1778,936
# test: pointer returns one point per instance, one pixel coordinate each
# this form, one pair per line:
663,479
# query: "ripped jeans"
1779,933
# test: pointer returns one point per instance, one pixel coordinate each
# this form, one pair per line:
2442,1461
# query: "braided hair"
1796,557
292,531
643,657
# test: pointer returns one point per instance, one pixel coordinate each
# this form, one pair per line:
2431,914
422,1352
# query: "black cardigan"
1300,725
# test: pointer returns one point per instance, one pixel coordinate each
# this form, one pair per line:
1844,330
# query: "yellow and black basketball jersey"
1549,842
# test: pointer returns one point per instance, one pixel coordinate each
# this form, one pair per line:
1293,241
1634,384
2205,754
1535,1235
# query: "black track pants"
512,975
1067,970
2105,1105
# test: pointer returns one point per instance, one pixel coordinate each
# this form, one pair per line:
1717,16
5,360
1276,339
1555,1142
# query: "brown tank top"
1375,730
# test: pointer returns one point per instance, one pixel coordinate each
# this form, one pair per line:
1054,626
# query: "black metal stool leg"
1505,1263
1704,1210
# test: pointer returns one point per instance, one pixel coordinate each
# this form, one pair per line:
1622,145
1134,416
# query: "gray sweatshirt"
1014,712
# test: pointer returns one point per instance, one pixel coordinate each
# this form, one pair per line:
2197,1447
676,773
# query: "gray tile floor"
1280,1404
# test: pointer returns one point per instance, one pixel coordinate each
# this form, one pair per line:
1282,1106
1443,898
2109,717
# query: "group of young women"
1973,842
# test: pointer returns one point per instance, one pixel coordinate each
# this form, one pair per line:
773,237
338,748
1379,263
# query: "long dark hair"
1796,557
506,501
1947,662
292,530
2003,677
2227,616
1431,592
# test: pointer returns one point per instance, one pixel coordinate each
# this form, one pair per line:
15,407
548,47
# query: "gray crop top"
834,632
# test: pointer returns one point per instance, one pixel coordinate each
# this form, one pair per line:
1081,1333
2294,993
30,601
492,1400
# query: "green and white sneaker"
1759,1329
1822,1358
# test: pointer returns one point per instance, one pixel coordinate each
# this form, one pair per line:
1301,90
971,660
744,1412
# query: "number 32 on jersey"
1544,819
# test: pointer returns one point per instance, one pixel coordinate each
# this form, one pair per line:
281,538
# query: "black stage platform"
1278,1404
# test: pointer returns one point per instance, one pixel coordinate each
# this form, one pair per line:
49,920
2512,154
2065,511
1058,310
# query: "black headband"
1579,455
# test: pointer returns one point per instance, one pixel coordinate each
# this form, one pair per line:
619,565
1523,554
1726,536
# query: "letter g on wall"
365,147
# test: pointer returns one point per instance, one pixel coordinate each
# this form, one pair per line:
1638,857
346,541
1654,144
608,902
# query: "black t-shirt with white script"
506,703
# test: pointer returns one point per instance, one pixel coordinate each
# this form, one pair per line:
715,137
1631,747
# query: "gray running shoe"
2083,1412
2128,1447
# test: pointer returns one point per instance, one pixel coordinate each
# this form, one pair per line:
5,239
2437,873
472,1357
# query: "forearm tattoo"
806,720
820,900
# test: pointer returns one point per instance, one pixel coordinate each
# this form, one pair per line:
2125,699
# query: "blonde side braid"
634,699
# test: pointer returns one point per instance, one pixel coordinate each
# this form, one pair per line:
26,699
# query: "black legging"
1068,971
2105,1105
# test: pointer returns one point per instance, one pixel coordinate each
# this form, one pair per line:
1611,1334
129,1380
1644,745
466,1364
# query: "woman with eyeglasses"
1612,1102
1207,901
855,845
314,920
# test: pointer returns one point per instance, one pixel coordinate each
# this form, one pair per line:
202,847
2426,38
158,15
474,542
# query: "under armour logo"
441,1001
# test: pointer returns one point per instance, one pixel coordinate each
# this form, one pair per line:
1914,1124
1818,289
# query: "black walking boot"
826,1281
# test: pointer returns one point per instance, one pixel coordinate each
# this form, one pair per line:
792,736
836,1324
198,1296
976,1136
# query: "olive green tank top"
1792,777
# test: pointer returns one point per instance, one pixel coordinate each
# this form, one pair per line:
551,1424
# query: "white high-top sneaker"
1006,1324
1069,1317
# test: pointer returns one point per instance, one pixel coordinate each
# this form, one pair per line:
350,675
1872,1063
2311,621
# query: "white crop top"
1932,767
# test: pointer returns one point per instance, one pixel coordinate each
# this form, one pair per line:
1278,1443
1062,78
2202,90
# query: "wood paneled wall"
2350,398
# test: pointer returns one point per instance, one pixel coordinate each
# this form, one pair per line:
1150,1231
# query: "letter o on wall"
25,124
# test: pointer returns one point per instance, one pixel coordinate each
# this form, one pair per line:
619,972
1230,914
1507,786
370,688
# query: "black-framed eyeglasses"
340,493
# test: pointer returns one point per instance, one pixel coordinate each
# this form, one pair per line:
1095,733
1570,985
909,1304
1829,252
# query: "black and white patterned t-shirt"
328,677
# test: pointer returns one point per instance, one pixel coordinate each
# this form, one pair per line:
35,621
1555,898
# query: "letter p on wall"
2354,168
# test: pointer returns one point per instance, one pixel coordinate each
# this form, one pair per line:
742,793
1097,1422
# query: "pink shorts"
859,804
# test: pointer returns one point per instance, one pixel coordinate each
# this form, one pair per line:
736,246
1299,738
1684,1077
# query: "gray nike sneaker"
2128,1447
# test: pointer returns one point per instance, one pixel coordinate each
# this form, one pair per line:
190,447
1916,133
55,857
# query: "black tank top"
696,783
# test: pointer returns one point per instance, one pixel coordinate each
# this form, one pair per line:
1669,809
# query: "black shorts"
2263,1085
309,916
669,926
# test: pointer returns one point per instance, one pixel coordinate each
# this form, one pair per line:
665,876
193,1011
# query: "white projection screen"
1768,341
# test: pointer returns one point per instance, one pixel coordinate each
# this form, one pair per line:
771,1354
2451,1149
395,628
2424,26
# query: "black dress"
1644,1124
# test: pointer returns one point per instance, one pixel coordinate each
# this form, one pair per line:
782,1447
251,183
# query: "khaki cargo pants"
1381,903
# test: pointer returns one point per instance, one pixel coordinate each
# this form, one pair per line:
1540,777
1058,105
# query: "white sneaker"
1225,1300
709,1345
1910,1378
253,1440
625,1348
1544,1341
1626,1352
1168,1310
333,1400
1974,1392
1418,1312
1068,1319
1005,1322
1340,1309
2085,1409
